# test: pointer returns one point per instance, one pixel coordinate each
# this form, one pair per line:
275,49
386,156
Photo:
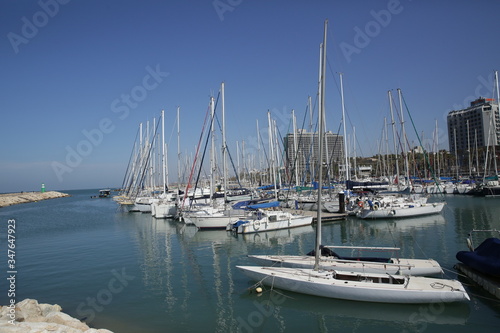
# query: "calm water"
128,272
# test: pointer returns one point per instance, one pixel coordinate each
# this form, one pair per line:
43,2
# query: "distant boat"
105,193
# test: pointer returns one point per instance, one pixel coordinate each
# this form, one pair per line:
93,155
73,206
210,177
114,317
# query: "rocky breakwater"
8,199
29,316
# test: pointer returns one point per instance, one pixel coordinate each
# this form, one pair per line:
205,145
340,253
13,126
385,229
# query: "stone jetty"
29,316
9,199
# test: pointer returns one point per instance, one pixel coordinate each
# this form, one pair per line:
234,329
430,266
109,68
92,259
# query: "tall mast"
164,163
320,127
271,150
495,123
468,149
259,152
224,146
346,161
455,143
405,149
295,148
212,150
394,135
178,149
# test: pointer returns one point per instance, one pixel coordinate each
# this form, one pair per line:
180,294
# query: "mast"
346,160
163,161
320,126
178,150
311,158
212,150
394,136
405,149
259,154
295,147
271,150
224,146
495,123
455,142
354,147
468,150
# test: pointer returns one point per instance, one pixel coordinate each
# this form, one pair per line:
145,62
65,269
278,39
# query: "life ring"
360,204
256,225
375,207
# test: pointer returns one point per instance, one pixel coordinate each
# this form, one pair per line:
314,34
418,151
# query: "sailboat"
339,284
166,206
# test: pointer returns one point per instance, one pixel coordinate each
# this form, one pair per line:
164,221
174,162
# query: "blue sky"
67,65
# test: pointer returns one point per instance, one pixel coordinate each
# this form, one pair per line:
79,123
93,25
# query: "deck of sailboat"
325,216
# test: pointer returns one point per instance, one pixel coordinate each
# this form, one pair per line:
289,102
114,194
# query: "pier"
488,283
9,199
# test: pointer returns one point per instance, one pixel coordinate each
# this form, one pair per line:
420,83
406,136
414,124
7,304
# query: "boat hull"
399,212
380,288
265,224
393,266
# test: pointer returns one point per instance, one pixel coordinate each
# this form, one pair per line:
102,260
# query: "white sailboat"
370,287
381,265
166,206
400,210
267,220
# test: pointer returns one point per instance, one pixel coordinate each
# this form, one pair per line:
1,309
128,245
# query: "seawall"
29,316
9,199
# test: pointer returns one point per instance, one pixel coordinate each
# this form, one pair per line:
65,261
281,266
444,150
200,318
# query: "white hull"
218,220
273,221
382,288
164,210
400,212
394,266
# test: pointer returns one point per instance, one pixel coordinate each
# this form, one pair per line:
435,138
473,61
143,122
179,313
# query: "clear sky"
79,76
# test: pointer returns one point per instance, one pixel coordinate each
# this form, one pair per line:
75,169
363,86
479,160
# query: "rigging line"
203,158
426,155
195,158
130,159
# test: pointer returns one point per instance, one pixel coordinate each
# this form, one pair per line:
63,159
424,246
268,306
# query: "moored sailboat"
369,287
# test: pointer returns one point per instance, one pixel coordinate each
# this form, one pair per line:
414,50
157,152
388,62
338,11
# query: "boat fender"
392,212
256,225
469,244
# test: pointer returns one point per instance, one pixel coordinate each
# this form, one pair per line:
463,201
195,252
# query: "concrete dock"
9,199
488,283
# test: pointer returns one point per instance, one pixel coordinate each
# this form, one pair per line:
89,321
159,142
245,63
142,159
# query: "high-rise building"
303,156
478,125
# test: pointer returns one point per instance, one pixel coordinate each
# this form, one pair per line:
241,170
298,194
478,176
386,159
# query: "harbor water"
129,272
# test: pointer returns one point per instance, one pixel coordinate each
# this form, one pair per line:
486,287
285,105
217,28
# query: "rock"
32,317
9,199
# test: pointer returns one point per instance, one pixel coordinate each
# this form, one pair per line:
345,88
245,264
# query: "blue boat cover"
264,205
485,258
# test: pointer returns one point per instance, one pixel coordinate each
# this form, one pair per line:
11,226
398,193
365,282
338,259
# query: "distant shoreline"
9,199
